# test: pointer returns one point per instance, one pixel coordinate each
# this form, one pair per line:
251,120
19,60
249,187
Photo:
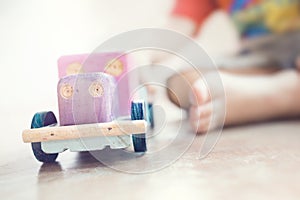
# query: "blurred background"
35,33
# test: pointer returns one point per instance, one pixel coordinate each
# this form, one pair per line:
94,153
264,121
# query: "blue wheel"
138,113
150,115
39,120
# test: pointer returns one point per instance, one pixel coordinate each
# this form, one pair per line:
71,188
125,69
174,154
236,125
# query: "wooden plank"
114,128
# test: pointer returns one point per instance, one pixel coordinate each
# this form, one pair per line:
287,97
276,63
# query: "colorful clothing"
251,17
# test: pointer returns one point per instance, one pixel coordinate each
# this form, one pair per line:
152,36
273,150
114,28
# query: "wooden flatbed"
114,128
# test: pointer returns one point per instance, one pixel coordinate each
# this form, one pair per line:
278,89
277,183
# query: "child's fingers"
200,125
197,112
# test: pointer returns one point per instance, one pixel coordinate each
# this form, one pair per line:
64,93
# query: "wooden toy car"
89,119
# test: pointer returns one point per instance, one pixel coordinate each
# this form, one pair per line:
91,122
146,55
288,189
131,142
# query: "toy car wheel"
150,115
138,113
39,120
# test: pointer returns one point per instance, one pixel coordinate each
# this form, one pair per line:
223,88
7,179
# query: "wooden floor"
260,161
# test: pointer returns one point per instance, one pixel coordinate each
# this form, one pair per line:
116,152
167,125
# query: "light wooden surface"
259,161
114,128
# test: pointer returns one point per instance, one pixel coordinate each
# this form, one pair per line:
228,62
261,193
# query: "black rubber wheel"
138,113
150,115
39,120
